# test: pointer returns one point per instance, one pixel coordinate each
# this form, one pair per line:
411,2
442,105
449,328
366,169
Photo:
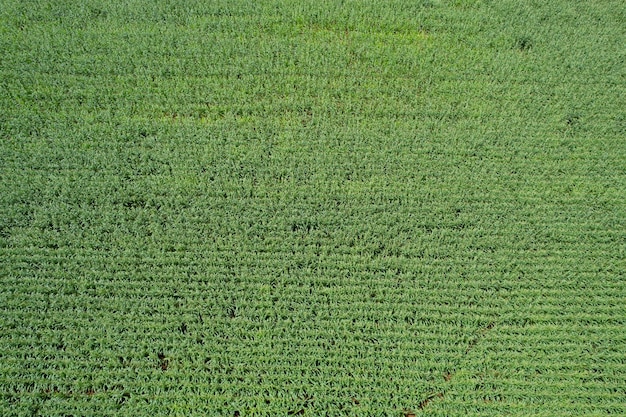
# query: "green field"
285,207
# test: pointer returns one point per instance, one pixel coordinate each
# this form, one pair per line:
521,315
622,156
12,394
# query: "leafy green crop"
305,207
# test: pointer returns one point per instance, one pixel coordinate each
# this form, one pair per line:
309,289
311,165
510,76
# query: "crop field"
313,207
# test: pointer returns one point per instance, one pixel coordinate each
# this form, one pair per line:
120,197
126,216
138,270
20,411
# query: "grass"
312,208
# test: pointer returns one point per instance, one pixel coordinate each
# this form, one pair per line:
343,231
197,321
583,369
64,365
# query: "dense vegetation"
313,207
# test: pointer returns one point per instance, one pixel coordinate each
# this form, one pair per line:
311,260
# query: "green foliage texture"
312,207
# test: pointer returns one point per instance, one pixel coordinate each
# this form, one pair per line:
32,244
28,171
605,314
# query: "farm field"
298,207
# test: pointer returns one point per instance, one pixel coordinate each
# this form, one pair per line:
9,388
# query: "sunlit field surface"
272,208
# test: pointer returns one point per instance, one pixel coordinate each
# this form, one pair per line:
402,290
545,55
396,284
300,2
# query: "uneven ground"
284,207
